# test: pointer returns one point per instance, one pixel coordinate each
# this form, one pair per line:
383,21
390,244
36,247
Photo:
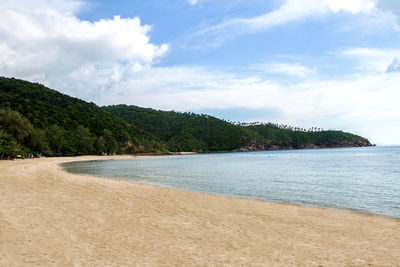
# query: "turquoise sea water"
358,179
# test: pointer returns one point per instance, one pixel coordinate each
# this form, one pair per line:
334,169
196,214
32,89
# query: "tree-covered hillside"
193,132
34,118
280,136
42,120
187,131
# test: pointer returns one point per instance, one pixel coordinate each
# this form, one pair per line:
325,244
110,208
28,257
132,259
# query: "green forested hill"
287,137
46,121
187,131
34,118
193,132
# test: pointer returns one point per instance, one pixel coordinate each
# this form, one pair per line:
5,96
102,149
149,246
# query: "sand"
50,217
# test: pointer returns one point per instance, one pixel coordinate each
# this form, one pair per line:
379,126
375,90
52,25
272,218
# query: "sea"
365,180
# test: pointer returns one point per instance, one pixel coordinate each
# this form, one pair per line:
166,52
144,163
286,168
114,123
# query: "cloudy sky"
328,63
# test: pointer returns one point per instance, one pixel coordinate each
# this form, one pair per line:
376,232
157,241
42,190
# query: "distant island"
38,120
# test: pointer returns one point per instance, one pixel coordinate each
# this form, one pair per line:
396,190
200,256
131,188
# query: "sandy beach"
50,217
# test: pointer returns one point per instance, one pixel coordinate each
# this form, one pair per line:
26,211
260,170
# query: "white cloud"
43,40
286,69
372,17
290,11
370,60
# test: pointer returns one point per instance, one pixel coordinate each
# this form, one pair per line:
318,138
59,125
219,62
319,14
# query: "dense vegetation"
186,131
287,137
34,118
193,132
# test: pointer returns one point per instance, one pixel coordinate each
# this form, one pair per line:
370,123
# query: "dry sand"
50,217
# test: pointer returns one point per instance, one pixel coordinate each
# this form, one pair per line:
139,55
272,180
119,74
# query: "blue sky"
328,63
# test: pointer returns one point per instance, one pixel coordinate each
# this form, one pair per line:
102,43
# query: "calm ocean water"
358,179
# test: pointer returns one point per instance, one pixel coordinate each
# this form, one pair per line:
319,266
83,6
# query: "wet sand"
50,217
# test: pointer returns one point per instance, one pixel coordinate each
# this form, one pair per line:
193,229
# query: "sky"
332,64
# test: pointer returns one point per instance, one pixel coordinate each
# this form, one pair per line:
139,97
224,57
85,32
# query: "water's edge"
65,167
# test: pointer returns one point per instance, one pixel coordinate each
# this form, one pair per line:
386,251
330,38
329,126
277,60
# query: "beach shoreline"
136,156
51,217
